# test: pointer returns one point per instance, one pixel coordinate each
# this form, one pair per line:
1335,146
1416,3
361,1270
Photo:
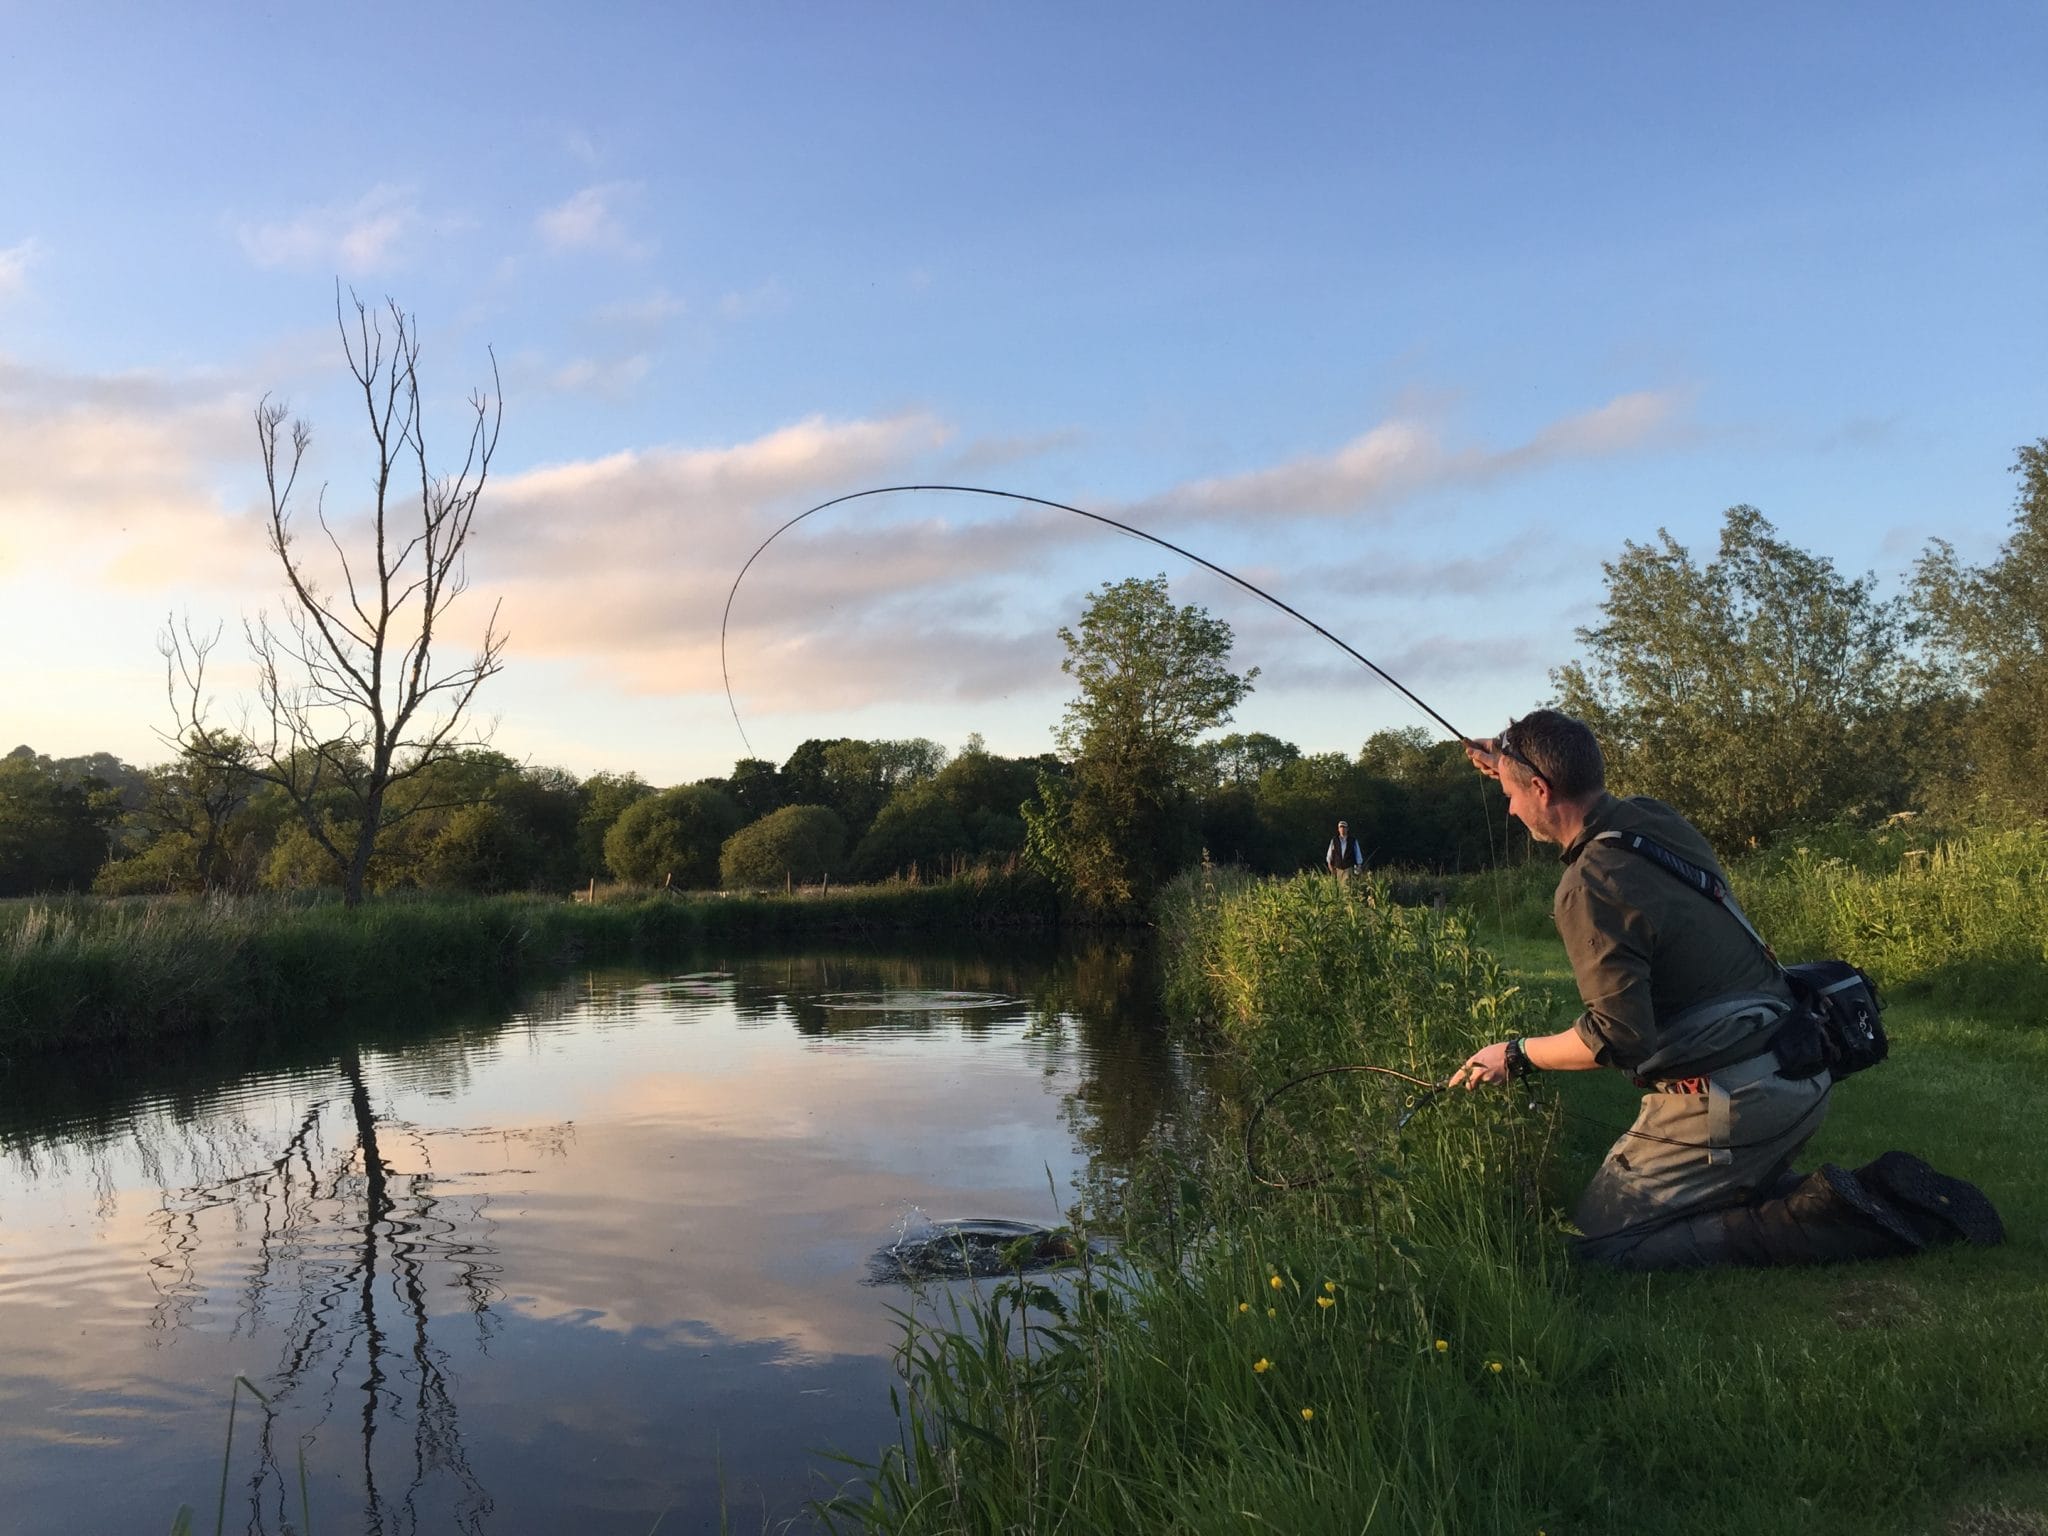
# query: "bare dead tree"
358,704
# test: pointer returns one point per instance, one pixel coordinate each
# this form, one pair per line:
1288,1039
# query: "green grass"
85,971
1892,1397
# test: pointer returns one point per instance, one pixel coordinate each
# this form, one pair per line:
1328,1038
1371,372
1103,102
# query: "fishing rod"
1094,517
1433,1089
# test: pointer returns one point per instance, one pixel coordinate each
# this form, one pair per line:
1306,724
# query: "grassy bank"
1432,1362
83,972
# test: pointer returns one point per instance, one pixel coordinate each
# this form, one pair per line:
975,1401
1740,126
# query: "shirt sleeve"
1609,944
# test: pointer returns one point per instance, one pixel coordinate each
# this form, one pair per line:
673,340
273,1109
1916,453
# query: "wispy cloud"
591,220
1381,467
610,378
15,260
362,236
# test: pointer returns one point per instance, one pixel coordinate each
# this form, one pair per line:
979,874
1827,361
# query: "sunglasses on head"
1504,744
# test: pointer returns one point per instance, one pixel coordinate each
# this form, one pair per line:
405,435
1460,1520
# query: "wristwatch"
1517,1061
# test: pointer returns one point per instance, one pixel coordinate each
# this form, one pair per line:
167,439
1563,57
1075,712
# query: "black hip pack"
1835,1025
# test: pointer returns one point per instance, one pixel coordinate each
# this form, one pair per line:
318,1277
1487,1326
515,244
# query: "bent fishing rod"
1133,531
1094,517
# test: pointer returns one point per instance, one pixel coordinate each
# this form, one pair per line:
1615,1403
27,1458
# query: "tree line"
840,809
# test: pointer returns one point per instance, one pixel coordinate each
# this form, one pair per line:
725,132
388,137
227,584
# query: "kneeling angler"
1681,996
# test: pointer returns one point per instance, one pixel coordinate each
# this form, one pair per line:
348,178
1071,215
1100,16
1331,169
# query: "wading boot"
1830,1217
1940,1208
1827,1217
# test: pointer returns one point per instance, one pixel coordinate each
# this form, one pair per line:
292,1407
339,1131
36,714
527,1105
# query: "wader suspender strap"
1719,1125
1705,881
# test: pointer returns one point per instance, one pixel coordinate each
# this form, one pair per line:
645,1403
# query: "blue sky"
1413,314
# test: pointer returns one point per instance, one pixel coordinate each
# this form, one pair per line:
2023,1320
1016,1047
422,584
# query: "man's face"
1528,801
1340,829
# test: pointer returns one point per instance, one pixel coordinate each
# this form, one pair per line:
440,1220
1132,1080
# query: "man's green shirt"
1645,947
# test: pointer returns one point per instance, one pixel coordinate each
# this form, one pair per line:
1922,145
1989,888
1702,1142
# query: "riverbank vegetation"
88,971
1403,1345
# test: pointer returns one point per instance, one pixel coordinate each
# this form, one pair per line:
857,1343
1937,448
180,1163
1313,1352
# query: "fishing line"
1434,1089
1251,1129
1056,506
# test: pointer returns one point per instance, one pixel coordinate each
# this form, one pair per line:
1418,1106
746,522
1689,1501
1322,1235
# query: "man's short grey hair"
1563,751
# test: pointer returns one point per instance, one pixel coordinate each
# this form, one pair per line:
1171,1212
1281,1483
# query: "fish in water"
959,1250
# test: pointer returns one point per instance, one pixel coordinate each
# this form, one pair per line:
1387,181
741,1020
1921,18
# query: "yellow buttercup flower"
1307,1414
1261,1365
1442,1345
1272,1311
1244,1306
1277,1283
1493,1366
1330,1286
1325,1301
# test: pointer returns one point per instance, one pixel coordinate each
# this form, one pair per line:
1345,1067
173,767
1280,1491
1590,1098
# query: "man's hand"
1485,756
1488,1064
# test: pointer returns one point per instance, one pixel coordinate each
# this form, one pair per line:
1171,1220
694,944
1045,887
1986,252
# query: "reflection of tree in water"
1091,1008
1140,1091
352,1242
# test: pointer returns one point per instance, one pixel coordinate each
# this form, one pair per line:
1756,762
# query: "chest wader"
1704,1178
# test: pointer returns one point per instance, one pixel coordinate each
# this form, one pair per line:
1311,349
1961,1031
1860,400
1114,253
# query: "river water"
592,1258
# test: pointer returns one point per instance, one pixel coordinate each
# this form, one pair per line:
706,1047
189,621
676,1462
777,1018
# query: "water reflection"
350,1237
588,1259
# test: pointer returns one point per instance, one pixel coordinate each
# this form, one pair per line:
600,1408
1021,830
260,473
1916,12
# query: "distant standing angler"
1345,855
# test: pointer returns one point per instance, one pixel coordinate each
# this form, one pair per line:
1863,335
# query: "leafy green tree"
756,787
1989,631
181,837
855,778
300,862
673,836
545,807
1152,678
1232,832
53,834
798,842
483,848
1244,759
985,792
201,794
167,862
1757,692
605,798
917,828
